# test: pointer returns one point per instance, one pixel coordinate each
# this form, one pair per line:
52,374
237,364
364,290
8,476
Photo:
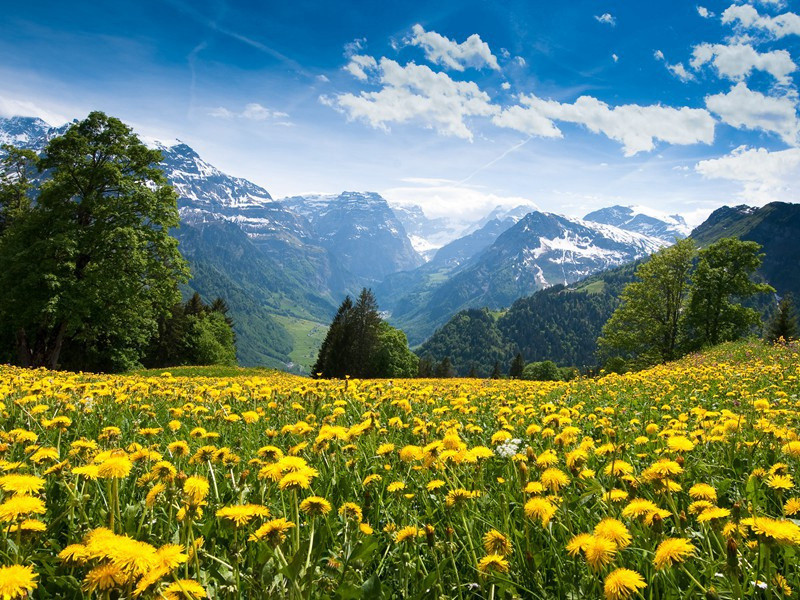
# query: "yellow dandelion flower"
351,511
315,505
406,533
599,552
242,514
273,531
16,581
712,514
184,589
703,491
495,542
671,551
21,505
579,543
792,507
615,531
493,563
554,479
540,508
780,482
21,484
622,584
196,489
115,467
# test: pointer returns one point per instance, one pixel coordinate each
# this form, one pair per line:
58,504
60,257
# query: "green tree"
360,344
334,354
444,369
517,366
495,371
647,323
90,265
392,357
783,324
721,280
545,370
211,340
18,167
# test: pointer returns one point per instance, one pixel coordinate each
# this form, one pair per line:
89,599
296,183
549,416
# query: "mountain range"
284,265
562,323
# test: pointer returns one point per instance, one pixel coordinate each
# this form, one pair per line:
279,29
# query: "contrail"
494,160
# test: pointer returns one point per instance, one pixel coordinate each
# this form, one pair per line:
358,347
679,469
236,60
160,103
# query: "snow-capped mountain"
361,230
642,220
27,132
427,234
540,250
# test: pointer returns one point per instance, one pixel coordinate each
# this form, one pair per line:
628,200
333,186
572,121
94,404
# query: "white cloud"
636,127
462,204
747,16
505,85
520,61
615,58
606,18
323,78
252,111
473,52
359,65
704,12
658,55
765,176
355,46
13,107
416,93
744,108
221,112
680,72
737,61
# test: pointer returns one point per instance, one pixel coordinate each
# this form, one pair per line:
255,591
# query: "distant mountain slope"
540,250
644,221
776,226
361,231
559,323
563,323
400,293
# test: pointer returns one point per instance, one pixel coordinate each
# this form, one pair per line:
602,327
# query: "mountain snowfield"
291,261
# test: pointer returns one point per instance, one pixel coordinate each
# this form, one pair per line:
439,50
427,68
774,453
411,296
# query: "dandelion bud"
732,554
529,452
736,512
450,532
680,460
658,524
429,537
682,518
712,594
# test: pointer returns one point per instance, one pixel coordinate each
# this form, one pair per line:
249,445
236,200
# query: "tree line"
89,272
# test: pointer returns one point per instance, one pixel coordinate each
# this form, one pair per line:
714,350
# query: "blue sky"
455,105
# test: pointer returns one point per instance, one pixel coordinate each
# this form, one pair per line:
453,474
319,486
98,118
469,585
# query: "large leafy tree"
722,279
646,325
90,265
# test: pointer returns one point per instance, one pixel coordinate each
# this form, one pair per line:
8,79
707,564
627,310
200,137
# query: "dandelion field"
676,482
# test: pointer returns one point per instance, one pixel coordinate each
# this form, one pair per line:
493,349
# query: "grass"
307,337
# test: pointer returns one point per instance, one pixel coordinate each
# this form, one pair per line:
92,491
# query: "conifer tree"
517,366
783,324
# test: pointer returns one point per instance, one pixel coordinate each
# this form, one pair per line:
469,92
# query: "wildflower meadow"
675,482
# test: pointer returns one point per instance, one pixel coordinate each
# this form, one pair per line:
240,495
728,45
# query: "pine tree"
495,370
444,369
333,358
783,324
517,366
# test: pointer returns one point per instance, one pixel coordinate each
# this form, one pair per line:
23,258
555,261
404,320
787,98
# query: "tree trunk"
23,350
